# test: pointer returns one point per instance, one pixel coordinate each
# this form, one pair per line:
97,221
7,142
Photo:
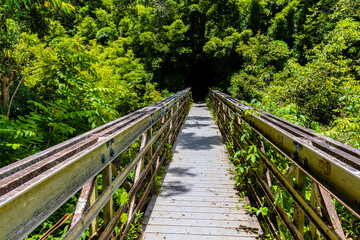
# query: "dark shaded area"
197,69
175,188
250,230
178,171
200,78
199,143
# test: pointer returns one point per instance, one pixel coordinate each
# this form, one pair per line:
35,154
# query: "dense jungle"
67,67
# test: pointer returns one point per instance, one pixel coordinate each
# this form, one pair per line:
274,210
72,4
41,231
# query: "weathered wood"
300,186
328,209
313,202
313,155
241,231
332,164
219,223
77,230
197,196
83,201
179,115
139,168
33,188
172,236
95,223
106,181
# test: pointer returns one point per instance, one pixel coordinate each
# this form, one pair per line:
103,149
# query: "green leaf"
124,198
15,146
258,212
123,218
17,3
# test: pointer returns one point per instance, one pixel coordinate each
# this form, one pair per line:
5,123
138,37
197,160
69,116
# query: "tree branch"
17,87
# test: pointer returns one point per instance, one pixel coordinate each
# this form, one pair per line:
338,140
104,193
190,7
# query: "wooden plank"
199,185
200,179
185,209
192,188
193,174
234,199
203,231
209,204
236,216
204,222
199,194
197,169
172,236
202,165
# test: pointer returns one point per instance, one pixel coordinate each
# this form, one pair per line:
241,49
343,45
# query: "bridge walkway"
197,198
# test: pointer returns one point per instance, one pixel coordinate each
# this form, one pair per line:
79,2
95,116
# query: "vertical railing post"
106,181
83,201
149,135
162,121
300,186
329,212
313,203
95,223
139,168
171,124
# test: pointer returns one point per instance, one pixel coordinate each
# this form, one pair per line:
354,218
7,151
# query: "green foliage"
134,231
99,60
87,29
19,138
123,198
156,186
123,218
262,210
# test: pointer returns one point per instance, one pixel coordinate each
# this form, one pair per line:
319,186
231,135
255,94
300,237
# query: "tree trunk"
5,90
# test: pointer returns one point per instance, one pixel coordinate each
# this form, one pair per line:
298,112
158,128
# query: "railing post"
300,186
171,125
160,138
83,201
106,181
329,212
313,203
150,151
95,223
139,168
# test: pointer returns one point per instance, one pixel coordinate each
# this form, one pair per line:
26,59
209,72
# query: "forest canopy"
69,66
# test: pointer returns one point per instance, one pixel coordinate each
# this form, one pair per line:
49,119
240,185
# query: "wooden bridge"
114,174
197,198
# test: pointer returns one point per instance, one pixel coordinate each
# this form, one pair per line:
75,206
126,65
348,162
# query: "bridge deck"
197,199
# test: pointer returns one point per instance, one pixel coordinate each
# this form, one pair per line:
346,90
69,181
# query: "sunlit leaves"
123,218
56,4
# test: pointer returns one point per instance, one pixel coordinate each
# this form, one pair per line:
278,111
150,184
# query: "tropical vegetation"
69,66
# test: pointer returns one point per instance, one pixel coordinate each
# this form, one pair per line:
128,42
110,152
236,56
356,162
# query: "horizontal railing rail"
34,188
318,169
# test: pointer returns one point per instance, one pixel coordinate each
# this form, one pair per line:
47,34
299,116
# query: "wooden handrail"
332,167
35,187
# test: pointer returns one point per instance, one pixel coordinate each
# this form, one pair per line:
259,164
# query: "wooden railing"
34,188
285,159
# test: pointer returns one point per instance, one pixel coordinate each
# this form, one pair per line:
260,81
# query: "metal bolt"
112,152
305,162
103,158
295,155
